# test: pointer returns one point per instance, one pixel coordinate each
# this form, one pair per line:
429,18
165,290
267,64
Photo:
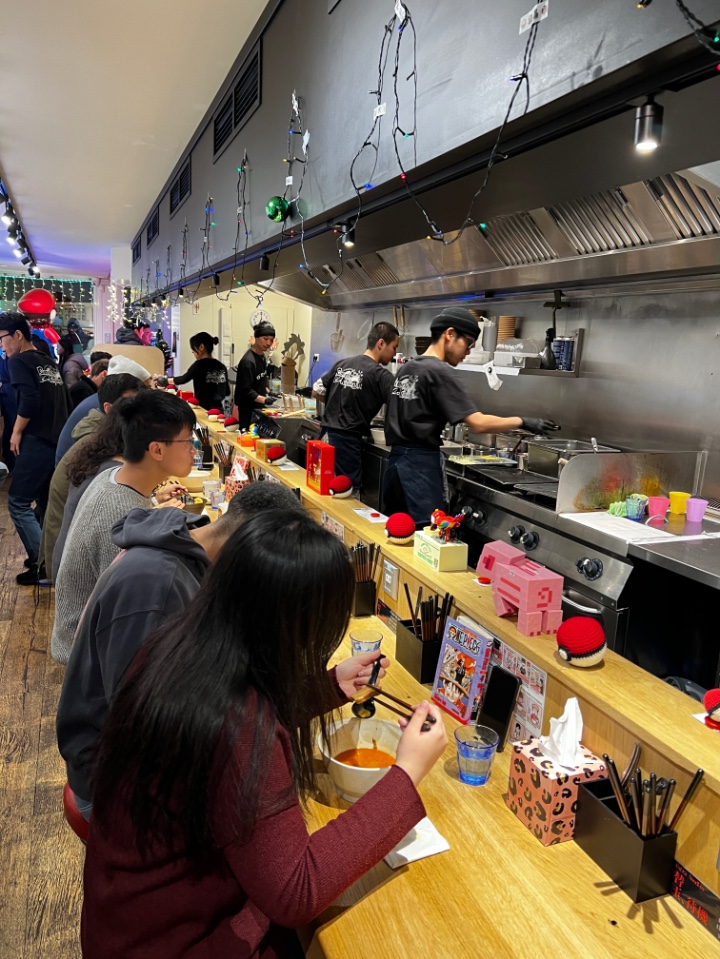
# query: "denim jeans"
31,483
348,455
414,483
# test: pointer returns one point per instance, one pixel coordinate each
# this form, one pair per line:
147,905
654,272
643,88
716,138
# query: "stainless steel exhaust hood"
667,226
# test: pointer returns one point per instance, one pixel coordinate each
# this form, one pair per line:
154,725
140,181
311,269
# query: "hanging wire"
205,260
701,30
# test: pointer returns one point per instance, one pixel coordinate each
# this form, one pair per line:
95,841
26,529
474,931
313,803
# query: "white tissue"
563,743
424,840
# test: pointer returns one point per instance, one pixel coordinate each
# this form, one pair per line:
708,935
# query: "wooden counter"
497,892
497,882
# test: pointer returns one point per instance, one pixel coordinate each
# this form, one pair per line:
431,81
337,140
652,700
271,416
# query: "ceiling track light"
181,293
348,236
17,252
264,263
216,279
648,126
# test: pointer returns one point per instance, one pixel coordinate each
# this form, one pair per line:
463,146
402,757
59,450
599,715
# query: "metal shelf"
522,371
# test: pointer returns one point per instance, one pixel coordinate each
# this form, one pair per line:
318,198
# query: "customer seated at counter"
165,554
354,391
425,397
198,845
157,432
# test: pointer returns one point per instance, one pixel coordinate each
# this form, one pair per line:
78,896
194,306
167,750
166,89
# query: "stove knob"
590,568
515,532
530,540
478,517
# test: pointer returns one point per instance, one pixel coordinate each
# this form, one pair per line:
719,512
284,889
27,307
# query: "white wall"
288,317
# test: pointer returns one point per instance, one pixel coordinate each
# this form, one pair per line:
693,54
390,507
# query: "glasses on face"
190,442
3,335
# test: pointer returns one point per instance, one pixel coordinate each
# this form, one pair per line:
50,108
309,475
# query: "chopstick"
412,613
361,696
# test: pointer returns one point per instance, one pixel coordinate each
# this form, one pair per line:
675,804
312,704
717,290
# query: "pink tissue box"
543,795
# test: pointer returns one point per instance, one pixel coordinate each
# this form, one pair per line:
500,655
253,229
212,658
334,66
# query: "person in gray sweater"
127,605
157,444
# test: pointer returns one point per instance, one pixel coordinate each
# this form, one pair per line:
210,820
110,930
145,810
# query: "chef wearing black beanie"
252,383
426,396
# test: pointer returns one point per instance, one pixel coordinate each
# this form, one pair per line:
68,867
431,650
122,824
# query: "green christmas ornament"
277,209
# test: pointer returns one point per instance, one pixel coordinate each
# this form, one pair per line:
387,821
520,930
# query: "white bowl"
351,782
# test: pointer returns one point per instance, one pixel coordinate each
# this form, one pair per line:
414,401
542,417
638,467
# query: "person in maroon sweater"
198,848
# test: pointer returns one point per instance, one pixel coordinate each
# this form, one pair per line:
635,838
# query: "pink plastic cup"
658,505
695,509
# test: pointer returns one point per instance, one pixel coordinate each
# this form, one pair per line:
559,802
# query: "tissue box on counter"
442,557
543,794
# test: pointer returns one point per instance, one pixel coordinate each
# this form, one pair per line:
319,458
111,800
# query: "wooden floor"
40,858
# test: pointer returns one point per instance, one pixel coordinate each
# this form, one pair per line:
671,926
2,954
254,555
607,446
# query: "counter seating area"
496,873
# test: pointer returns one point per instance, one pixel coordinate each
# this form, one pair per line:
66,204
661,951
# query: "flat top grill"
508,478
546,490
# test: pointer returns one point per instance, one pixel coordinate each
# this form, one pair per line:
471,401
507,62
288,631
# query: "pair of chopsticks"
645,803
371,691
428,617
203,434
365,560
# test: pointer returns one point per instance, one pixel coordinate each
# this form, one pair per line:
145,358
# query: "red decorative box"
320,470
543,794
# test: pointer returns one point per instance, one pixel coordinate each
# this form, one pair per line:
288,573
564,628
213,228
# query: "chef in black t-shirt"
209,376
251,386
43,406
425,397
354,390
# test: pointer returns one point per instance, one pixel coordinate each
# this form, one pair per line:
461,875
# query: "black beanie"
264,329
462,321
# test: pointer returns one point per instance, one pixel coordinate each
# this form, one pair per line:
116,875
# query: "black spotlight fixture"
216,279
348,237
648,126
181,293
25,259
264,263
35,269
8,217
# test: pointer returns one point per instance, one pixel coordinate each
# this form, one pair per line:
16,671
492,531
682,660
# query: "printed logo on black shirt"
218,377
349,378
49,374
406,388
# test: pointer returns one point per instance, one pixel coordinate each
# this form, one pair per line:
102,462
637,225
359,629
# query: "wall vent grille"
153,227
137,249
180,188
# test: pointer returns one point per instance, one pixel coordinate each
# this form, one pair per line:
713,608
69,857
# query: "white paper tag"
379,110
538,13
399,11
288,181
306,140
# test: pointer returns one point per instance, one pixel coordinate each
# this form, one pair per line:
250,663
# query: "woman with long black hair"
198,846
209,376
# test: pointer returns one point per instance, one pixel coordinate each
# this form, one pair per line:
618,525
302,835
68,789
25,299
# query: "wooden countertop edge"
680,742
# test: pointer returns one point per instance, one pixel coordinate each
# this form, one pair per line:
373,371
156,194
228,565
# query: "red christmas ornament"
400,529
341,487
581,641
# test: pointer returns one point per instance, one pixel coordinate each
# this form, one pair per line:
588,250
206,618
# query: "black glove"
538,424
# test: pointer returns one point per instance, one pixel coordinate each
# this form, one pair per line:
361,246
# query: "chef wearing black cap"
252,382
426,396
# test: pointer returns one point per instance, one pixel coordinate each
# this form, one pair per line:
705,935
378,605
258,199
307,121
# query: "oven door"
613,621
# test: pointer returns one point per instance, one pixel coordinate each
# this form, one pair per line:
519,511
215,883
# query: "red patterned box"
543,794
320,472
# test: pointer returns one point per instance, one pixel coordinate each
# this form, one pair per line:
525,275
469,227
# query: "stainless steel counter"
698,560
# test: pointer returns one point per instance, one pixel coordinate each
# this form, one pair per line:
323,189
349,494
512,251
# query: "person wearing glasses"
209,376
427,396
43,406
157,434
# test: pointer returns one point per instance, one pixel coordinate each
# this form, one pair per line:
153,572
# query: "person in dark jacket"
251,387
8,411
127,605
72,365
209,376
43,406
88,385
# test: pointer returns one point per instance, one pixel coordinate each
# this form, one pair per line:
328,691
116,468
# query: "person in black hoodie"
43,406
209,376
251,386
165,555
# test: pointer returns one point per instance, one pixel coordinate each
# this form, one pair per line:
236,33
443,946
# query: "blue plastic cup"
635,505
476,748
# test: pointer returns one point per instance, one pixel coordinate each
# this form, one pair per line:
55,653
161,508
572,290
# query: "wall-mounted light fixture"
648,126
348,237
264,263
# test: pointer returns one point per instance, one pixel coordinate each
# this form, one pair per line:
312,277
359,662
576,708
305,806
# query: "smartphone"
498,705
